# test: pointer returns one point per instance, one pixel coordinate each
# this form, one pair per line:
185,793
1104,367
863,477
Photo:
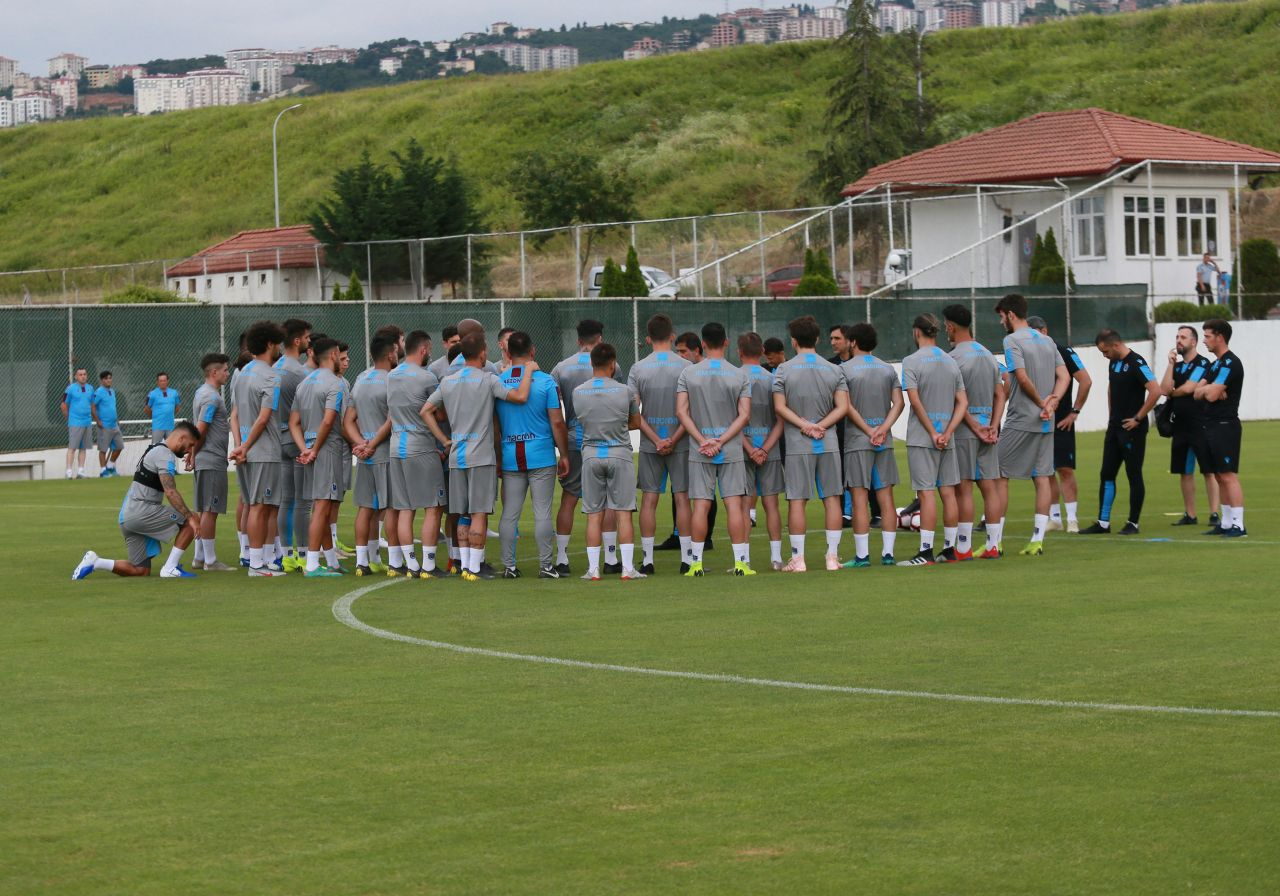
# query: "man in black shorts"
1063,487
1185,372
1219,439
1132,391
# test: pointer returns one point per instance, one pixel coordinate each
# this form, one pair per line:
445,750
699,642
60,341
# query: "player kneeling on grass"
607,411
713,404
144,520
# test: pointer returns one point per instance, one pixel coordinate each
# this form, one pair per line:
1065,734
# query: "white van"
661,284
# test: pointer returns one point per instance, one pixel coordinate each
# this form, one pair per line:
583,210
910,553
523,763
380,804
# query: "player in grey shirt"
209,459
713,404
145,521
811,396
664,450
761,440
1037,381
975,441
935,391
607,411
256,396
292,520
467,398
368,410
417,477
875,402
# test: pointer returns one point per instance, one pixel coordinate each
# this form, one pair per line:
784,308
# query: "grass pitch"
226,735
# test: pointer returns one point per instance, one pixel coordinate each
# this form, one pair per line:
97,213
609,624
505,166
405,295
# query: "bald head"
469,326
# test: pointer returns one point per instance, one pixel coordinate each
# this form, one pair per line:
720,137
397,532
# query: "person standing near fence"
106,415
1182,376
77,409
208,459
1206,271
1219,438
1063,484
163,402
1132,391
257,398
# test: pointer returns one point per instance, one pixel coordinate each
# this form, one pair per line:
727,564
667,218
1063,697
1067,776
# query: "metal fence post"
222,328
470,288
524,282
635,329
368,261
697,285
831,231
502,313
850,235
754,325
764,265
64,285
71,343
577,261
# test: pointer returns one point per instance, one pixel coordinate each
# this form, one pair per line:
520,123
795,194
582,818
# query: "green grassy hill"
723,130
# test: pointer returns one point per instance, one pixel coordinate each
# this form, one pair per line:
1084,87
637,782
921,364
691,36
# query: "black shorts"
1183,456
1064,448
1220,442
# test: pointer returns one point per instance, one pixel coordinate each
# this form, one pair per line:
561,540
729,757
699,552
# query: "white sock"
1055,513
395,556
890,539
926,540
244,543
1237,517
610,548
175,557
752,513
695,551
362,555
333,533
428,558
331,558
464,557
1040,523
964,538
313,561
80,471
278,547
628,552
562,548
797,545
477,557
382,533
255,558
1226,513
593,560
994,533
374,555
646,550
775,551
198,553
949,536
833,540
742,553
686,548
861,544
102,564
409,560
1071,511
210,549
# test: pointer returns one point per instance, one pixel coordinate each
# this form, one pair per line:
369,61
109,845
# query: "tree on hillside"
564,188
632,277
874,114
817,279
419,197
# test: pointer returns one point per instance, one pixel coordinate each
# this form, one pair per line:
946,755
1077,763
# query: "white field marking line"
343,613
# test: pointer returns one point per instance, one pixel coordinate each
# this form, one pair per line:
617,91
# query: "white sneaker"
833,562
70,474
1054,525
265,573
218,566
84,567
591,575
629,573
1073,527
197,564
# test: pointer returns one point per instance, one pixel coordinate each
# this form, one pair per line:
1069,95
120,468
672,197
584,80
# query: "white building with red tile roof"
1129,200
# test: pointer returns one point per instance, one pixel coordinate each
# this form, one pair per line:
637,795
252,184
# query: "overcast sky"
128,31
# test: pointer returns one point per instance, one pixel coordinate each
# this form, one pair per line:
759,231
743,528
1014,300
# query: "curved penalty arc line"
342,611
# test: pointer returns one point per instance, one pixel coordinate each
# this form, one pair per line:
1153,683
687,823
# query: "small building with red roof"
1129,200
285,264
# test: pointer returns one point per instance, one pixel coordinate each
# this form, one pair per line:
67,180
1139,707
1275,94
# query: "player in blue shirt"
163,402
77,408
532,433
107,418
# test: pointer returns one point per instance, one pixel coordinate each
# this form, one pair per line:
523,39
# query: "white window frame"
1148,217
1186,217
1089,215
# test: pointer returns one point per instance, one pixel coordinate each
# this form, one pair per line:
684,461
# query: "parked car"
661,284
781,283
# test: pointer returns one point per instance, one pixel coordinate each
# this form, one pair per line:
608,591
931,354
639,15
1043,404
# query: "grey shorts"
473,490
288,480
704,478
373,488
931,468
210,491
765,479
110,438
656,471
159,435
145,527
323,479
241,483
346,467
417,482
871,470
809,474
79,437
976,459
608,483
262,482
572,484
1025,455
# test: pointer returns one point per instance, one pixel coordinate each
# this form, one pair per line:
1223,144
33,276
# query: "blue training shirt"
527,443
163,403
79,398
104,399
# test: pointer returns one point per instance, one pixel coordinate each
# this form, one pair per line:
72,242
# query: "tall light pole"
275,162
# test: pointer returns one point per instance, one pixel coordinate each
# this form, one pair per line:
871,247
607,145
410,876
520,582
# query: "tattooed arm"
175,498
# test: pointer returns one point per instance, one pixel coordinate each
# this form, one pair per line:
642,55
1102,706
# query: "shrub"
612,281
354,292
632,278
1260,263
1180,312
337,292
137,294
817,279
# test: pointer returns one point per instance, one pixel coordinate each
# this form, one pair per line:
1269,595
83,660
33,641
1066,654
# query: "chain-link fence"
42,346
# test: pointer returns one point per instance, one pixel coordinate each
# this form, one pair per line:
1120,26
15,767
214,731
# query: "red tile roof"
254,250
1075,143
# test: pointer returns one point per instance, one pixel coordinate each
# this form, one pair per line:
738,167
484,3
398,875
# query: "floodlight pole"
275,158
